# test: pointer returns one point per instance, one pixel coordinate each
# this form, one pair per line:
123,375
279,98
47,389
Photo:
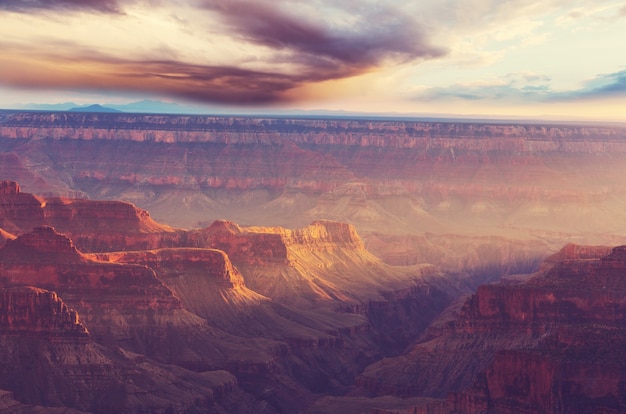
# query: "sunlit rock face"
552,344
121,304
323,262
321,302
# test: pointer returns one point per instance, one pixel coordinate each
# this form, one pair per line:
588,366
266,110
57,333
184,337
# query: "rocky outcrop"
50,363
92,225
553,344
258,245
323,264
121,304
48,259
19,210
9,188
39,312
575,370
43,245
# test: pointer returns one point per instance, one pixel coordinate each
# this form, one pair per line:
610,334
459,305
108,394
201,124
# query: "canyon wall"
551,344
387,176
361,132
290,313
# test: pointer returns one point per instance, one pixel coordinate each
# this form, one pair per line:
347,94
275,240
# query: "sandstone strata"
193,307
38,312
50,361
395,176
553,344
122,304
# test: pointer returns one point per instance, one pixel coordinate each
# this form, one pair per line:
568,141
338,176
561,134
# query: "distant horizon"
177,109
519,59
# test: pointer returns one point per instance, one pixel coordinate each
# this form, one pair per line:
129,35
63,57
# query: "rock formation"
279,317
330,308
391,176
38,312
50,361
121,304
552,344
324,262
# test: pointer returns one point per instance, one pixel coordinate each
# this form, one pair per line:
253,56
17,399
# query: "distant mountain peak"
93,108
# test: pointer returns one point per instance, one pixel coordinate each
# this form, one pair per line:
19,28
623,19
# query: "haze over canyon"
175,263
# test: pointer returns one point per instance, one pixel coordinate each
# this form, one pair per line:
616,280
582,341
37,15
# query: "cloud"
521,86
277,47
25,6
528,87
375,34
602,86
94,71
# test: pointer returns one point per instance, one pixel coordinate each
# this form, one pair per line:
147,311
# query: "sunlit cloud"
325,53
291,50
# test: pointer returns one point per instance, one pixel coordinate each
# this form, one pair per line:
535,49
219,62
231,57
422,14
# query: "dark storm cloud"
25,6
228,84
97,72
379,34
298,50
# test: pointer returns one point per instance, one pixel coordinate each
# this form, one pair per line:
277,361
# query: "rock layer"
390,176
50,361
553,344
39,312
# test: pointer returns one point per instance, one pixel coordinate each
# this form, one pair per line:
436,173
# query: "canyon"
266,265
388,176
323,307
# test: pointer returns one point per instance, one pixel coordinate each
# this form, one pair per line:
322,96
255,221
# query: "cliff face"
553,344
49,259
92,225
386,176
404,134
258,245
39,312
49,360
330,305
19,210
121,304
324,263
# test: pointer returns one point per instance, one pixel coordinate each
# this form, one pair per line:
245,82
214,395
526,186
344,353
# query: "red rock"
4,236
9,188
325,263
19,210
553,344
50,360
37,311
93,225
383,175
43,245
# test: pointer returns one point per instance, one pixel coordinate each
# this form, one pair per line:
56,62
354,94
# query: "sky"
548,59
